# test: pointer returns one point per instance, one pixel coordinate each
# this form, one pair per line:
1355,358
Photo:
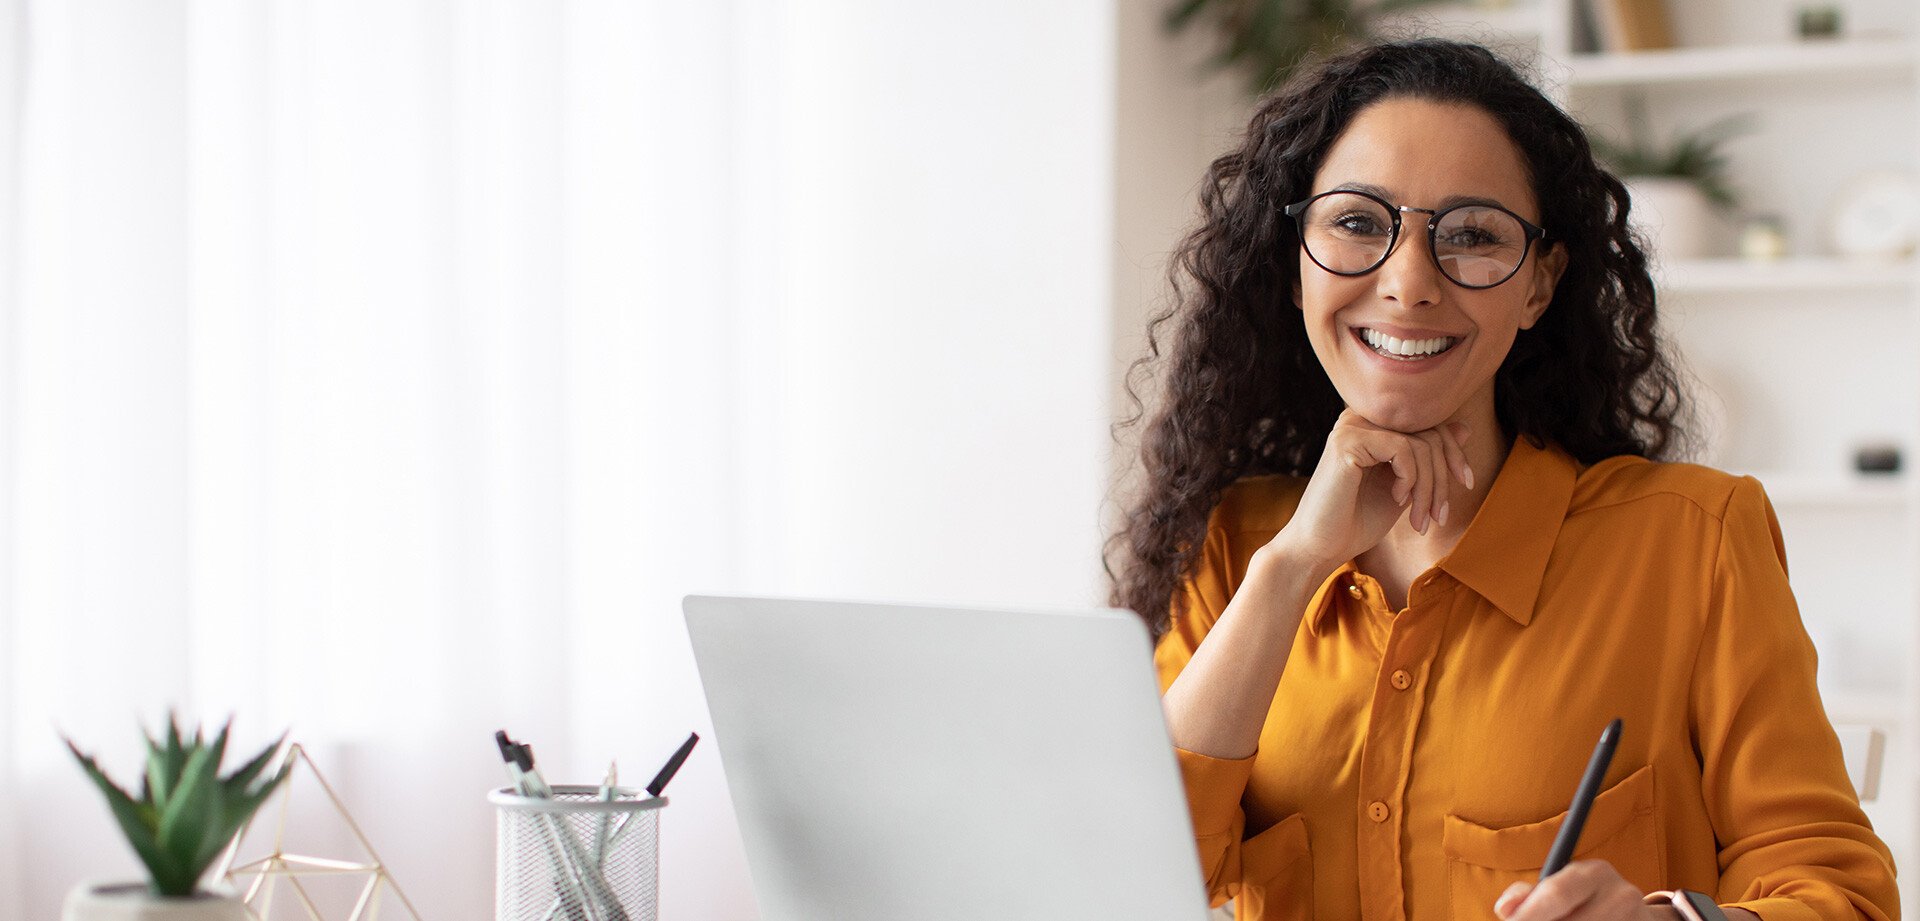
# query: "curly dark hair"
1242,393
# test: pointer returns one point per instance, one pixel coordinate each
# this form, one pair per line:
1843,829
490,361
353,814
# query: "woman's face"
1423,154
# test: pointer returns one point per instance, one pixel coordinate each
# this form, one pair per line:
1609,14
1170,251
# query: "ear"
1297,299
1547,267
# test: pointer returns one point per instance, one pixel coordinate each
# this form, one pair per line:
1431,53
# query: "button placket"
1397,705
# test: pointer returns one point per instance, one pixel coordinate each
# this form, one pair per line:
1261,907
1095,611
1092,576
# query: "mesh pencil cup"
576,857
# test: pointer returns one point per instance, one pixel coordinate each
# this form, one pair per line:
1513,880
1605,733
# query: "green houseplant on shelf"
1676,186
185,816
1267,39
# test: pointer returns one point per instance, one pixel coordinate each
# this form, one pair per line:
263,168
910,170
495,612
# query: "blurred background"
386,372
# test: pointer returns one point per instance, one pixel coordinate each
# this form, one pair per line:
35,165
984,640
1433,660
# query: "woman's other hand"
1367,478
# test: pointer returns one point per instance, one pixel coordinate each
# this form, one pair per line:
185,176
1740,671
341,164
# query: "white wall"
1174,116
932,275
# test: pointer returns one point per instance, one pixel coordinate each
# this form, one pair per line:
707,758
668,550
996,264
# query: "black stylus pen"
1562,850
672,766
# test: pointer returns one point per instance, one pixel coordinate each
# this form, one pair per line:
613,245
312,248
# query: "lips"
1411,349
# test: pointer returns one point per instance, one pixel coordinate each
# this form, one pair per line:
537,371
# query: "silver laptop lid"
893,762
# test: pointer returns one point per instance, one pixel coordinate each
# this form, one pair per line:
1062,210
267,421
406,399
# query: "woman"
1406,550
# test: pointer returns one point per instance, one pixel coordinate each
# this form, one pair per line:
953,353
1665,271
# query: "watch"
1693,906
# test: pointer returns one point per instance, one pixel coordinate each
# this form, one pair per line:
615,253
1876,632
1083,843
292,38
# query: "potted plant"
1676,187
1269,38
185,815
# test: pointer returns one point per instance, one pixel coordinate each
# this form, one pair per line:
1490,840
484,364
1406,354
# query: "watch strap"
1692,906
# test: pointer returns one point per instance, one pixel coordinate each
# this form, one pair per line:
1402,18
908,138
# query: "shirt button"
1354,590
1401,680
1378,811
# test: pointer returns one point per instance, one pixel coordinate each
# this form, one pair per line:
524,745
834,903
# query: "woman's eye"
1359,224
1470,238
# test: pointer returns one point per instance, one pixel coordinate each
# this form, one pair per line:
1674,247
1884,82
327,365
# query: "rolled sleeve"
1794,842
1214,786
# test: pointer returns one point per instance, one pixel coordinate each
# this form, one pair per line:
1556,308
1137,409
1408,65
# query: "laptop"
897,762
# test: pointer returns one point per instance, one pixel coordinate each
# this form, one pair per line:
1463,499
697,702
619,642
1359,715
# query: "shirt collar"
1503,555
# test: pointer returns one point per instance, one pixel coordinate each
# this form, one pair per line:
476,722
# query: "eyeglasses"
1352,233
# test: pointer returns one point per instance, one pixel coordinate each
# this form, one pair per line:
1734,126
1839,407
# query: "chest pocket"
1621,829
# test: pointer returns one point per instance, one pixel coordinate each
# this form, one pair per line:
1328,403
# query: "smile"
1405,349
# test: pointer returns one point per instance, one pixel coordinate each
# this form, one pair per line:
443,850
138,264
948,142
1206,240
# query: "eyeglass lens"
1349,234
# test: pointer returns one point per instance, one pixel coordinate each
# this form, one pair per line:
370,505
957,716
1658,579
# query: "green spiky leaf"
186,813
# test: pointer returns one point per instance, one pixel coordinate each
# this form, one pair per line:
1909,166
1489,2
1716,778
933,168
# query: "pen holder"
577,856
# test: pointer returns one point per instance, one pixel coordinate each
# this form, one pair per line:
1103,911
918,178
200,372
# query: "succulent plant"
186,813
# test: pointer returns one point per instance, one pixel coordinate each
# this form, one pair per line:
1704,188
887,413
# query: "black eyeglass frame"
1298,210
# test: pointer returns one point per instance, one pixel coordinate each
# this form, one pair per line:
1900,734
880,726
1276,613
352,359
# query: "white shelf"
1866,492
1799,273
1740,62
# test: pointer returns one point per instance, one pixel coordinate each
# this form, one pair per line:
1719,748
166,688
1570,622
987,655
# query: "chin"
1405,419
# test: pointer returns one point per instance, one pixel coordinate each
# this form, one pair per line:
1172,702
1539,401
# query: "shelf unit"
1859,492
1796,273
1760,63
1816,347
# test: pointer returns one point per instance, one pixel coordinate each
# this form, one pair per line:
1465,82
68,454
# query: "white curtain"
369,368
386,371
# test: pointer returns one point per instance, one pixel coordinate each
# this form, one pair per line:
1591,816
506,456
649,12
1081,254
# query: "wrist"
1686,905
1277,561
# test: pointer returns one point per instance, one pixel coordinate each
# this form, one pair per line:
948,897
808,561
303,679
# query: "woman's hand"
1588,890
1367,478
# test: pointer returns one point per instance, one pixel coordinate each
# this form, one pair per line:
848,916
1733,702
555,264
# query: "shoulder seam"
1717,514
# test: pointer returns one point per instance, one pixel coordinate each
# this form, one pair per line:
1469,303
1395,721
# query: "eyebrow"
1445,203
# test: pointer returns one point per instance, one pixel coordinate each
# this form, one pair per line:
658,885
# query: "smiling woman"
1408,542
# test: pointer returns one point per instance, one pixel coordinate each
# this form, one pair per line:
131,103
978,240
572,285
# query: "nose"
1409,275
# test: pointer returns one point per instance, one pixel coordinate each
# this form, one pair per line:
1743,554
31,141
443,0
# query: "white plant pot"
95,901
1673,214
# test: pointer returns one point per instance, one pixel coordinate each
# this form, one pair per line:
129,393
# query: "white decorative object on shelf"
1877,216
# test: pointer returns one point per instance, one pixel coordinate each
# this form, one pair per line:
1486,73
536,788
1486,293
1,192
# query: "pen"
672,766
570,891
1562,849
659,783
609,791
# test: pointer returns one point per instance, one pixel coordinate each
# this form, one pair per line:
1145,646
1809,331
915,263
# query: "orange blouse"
1414,764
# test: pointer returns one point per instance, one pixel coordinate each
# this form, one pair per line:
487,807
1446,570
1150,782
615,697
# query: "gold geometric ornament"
317,888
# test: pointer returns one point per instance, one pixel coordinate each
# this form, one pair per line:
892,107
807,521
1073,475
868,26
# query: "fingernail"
1469,469
1510,899
1441,516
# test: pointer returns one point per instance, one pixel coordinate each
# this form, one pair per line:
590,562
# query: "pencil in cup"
537,878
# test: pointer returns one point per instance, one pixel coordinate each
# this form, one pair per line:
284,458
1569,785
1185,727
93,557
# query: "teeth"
1406,348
